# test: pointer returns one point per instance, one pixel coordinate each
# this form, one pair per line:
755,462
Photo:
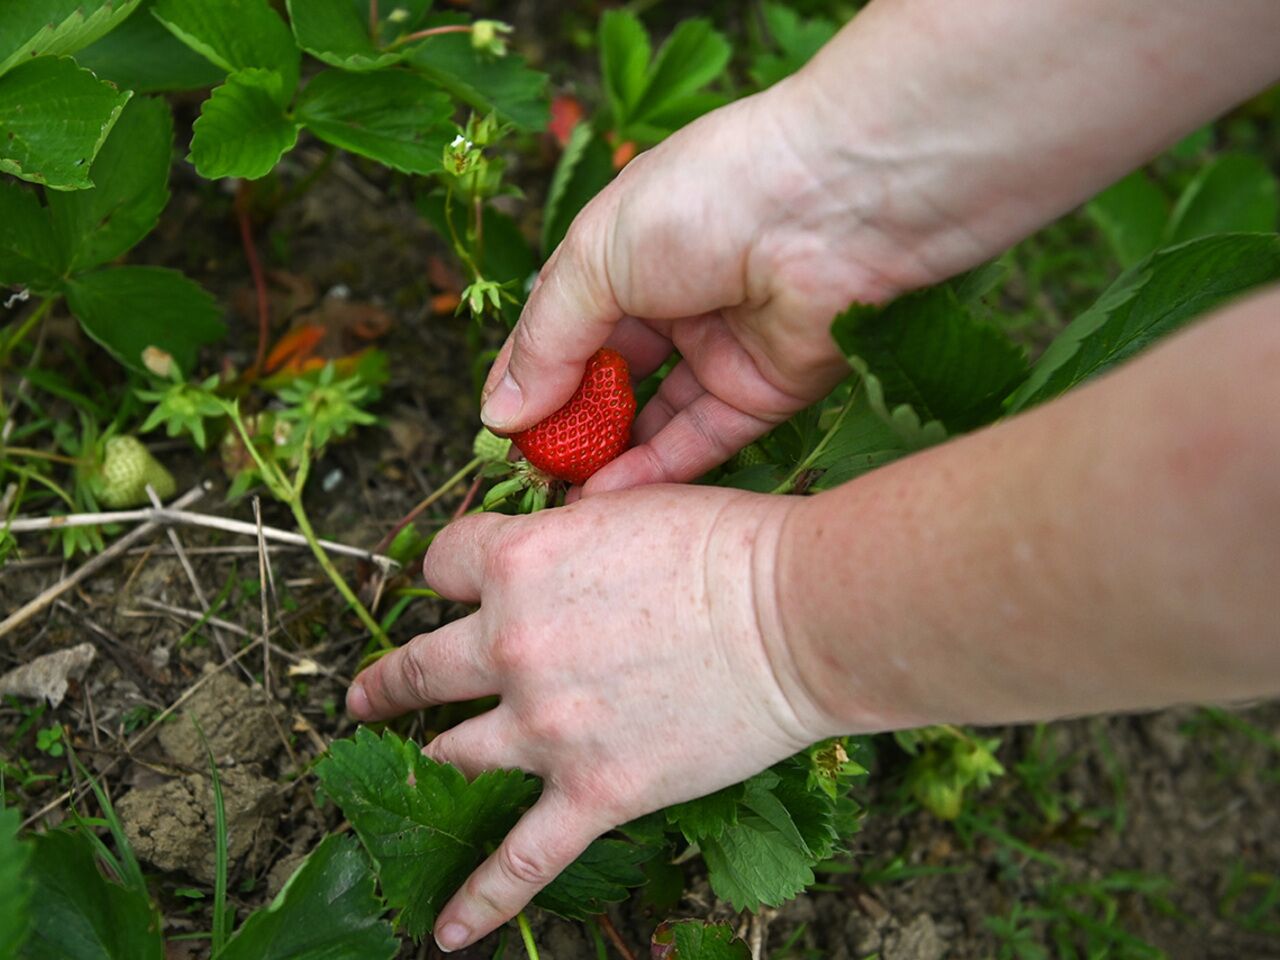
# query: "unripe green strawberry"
752,455
490,447
591,429
127,468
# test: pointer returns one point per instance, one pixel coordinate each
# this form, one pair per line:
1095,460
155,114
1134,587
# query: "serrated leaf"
504,85
392,116
337,32
1132,214
78,913
328,910
932,352
624,61
423,824
242,130
235,35
127,309
15,886
1233,193
29,254
867,435
143,56
1149,301
53,118
707,816
697,940
751,863
693,56
605,873
54,27
585,168
132,176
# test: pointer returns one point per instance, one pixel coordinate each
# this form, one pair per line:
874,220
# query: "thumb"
569,315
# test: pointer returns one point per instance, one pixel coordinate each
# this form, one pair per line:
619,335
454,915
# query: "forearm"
952,130
1116,549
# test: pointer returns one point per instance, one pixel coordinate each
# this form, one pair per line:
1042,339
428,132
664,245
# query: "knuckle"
525,865
515,554
513,651
414,671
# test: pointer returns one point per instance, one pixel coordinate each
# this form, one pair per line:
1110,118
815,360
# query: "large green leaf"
132,176
697,940
931,351
398,118
235,35
53,118
624,61
242,130
501,84
603,874
142,56
77,914
1234,193
15,886
127,309
693,56
29,254
797,40
337,32
327,911
1132,214
425,826
1149,301
34,28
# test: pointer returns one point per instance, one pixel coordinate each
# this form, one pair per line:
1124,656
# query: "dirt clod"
238,721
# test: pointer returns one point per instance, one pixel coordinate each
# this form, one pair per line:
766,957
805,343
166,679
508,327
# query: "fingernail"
503,405
452,936
357,701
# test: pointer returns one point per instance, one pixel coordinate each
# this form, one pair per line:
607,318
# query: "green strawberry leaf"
127,309
697,940
585,168
604,873
242,130
337,32
328,910
624,61
707,816
132,176
15,885
236,35
694,55
424,825
1132,215
931,351
79,913
53,118
143,56
504,85
1233,193
1148,301
29,253
752,863
396,118
55,27
797,41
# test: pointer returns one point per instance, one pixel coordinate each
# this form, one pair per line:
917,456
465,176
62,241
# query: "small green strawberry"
127,467
752,455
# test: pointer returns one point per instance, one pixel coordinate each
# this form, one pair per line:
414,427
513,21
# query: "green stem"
432,32
27,326
366,618
526,934
458,247
787,485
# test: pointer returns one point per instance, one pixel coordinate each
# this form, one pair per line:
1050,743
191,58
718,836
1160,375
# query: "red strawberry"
591,429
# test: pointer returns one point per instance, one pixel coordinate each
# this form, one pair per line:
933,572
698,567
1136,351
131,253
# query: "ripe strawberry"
591,429
127,468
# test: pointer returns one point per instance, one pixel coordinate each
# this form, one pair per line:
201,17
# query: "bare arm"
1117,549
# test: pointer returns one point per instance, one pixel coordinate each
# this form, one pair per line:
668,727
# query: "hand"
728,243
632,640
